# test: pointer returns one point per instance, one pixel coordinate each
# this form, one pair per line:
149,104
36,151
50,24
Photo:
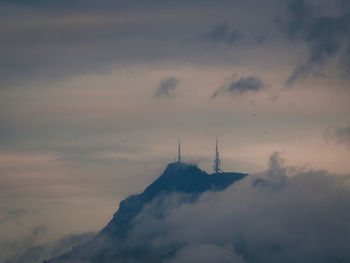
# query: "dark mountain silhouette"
108,245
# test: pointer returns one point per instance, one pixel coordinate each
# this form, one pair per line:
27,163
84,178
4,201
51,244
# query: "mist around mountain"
40,252
180,183
285,214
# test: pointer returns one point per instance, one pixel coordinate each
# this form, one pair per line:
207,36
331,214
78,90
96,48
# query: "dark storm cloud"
240,87
223,34
326,36
167,88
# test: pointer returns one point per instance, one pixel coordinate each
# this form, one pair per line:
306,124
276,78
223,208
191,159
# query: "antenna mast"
179,152
217,161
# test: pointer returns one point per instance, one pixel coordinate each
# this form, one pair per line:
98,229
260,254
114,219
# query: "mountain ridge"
179,178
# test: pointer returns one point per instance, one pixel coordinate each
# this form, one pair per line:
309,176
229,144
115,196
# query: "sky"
94,96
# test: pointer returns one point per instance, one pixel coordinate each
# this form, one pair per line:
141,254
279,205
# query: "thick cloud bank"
282,215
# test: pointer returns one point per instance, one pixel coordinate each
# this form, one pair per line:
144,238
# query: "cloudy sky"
95,94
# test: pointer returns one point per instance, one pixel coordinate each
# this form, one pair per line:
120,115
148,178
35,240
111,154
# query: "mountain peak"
178,177
176,168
